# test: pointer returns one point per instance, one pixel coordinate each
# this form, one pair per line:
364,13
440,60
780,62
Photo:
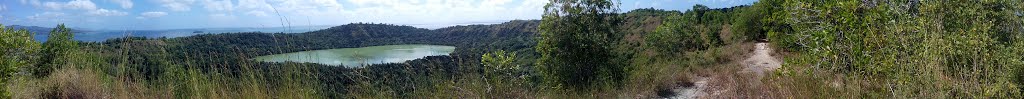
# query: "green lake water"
355,57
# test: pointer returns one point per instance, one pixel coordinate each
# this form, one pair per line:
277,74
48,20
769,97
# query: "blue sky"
177,14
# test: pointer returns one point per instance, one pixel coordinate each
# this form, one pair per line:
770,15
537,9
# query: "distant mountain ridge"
89,35
38,30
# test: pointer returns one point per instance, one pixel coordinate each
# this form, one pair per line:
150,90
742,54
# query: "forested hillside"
172,61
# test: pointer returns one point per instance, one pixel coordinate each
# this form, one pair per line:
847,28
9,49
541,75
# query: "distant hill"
40,30
91,35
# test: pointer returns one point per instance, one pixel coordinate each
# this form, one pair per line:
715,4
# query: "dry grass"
88,84
63,83
733,83
82,84
658,76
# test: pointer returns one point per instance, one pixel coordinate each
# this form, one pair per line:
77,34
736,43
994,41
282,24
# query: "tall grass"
92,72
939,49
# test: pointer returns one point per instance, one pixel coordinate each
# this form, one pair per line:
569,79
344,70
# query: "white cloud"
218,6
177,5
322,12
222,17
87,6
494,3
105,12
256,13
31,2
45,16
3,7
443,12
253,5
71,5
126,4
218,15
309,6
53,5
81,4
154,14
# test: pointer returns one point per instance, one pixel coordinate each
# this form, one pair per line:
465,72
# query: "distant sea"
103,35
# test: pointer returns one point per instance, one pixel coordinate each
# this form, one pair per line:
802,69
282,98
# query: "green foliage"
771,24
17,50
674,35
500,69
920,49
756,22
502,74
57,51
697,29
576,39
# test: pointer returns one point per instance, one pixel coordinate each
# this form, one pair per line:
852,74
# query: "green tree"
501,72
17,49
697,29
57,51
700,9
769,22
674,35
754,22
576,39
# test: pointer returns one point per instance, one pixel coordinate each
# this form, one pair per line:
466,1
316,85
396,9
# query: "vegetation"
907,49
697,29
576,38
56,52
17,46
580,49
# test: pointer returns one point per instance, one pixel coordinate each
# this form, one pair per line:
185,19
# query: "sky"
181,14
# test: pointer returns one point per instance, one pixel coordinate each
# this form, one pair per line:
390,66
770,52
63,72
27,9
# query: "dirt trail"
759,62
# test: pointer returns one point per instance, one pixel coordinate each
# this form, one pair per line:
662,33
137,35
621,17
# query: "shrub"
17,49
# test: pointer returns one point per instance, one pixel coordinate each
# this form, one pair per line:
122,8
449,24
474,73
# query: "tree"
56,51
749,19
576,39
700,9
674,35
17,49
501,72
766,20
697,29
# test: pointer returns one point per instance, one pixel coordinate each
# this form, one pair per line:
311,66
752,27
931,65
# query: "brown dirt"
737,79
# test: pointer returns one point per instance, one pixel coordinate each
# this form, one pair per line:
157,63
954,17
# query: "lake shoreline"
361,56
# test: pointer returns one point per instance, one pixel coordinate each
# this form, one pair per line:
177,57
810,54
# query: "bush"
17,49
940,49
57,51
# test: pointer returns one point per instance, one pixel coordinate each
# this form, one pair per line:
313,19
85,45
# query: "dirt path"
759,62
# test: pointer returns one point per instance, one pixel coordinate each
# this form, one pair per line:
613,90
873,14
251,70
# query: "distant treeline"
231,51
